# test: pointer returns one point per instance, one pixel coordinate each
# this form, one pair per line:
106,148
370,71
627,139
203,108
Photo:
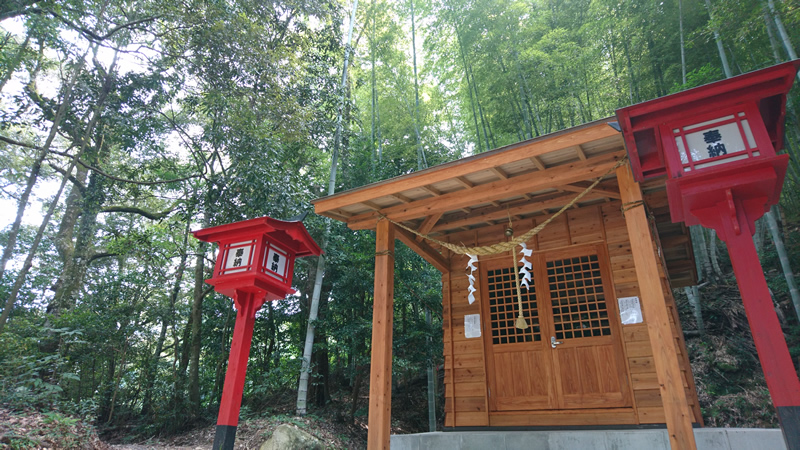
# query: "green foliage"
698,77
28,378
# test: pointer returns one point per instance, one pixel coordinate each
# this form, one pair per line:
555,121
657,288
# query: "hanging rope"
501,247
521,323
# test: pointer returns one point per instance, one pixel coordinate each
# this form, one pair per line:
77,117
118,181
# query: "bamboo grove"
126,124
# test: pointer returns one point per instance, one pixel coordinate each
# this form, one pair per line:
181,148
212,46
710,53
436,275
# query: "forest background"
126,124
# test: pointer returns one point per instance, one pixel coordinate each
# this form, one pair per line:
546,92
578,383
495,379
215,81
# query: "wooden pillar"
654,306
380,376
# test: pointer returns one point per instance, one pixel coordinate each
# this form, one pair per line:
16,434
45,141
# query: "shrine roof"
530,178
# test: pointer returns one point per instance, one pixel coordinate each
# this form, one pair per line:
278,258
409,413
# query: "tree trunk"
787,43
151,367
720,48
106,389
431,380
302,388
701,252
478,141
75,268
773,43
523,100
178,393
356,393
72,211
693,295
34,174
197,319
484,121
320,388
683,49
96,114
421,160
12,66
634,97
758,237
225,345
116,382
374,90
784,259
712,244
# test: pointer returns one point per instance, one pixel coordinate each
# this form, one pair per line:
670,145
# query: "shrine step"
706,438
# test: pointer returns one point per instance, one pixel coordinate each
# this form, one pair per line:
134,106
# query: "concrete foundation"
707,439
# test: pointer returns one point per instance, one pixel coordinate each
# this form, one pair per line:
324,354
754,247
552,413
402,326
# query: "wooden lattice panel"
578,300
503,308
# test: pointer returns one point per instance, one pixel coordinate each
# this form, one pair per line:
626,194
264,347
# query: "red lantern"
717,145
255,264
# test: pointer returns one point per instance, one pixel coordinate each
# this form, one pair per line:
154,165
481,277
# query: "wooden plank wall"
466,402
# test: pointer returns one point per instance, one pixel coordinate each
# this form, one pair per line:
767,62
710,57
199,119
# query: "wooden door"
519,364
587,357
567,303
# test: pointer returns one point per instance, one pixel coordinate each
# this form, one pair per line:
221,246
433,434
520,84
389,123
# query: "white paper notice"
472,325
630,311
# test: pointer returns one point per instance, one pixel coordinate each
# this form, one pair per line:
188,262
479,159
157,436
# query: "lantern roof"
292,233
767,88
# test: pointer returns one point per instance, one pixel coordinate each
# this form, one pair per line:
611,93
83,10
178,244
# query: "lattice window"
576,291
503,309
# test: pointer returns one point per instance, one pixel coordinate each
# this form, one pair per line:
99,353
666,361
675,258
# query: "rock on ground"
289,437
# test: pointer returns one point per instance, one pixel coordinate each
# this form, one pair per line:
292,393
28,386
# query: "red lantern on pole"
717,145
254,265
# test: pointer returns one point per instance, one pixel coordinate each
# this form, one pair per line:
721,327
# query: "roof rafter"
521,209
524,150
555,176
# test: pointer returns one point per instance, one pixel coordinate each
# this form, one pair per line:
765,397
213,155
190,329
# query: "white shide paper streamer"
471,265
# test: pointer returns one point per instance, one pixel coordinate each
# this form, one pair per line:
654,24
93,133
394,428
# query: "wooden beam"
423,249
673,241
517,152
380,376
654,306
464,182
401,197
524,208
499,172
484,193
538,163
427,224
580,187
371,205
431,190
339,215
580,152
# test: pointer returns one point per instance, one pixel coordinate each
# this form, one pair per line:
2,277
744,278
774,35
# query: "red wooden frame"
730,196
765,89
250,285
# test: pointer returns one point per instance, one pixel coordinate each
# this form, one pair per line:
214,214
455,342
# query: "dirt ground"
31,429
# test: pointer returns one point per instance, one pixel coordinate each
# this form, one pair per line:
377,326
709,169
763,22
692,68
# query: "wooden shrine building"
576,364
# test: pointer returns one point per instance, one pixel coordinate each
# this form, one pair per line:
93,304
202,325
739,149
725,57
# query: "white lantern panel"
717,141
681,150
238,257
751,141
276,262
707,122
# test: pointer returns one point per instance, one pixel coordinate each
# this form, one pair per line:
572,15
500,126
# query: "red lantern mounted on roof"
718,144
254,265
